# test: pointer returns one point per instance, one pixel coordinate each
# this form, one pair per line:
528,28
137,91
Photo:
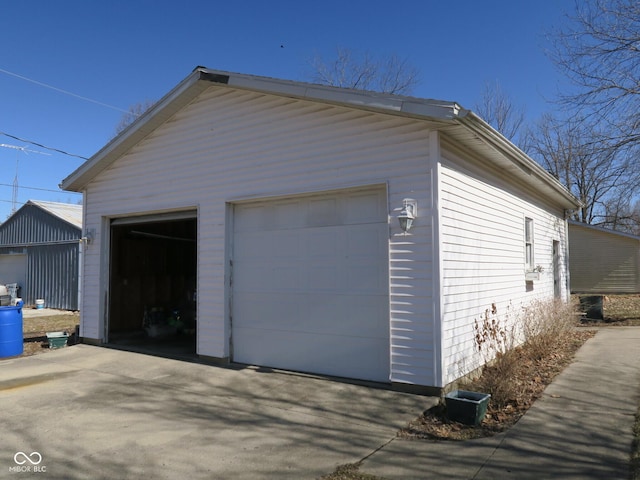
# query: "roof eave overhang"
439,114
504,154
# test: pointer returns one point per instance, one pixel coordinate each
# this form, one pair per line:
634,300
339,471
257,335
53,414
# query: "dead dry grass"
35,330
620,310
528,377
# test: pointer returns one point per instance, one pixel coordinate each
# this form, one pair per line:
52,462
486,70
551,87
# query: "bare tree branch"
599,51
134,112
363,72
594,170
497,109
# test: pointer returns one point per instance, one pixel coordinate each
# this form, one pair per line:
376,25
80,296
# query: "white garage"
330,231
310,284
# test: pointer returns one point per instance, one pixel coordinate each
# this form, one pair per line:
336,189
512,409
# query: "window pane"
529,255
528,230
528,243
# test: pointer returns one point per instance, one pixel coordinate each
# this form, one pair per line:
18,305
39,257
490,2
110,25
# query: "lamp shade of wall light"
88,236
408,214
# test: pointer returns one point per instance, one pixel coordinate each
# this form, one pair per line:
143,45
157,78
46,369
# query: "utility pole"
25,150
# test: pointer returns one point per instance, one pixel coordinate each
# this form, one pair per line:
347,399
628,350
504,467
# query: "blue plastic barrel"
11,331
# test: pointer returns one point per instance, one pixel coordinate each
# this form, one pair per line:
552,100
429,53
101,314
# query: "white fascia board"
532,172
436,110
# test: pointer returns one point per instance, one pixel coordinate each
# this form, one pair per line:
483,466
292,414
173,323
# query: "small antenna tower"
27,151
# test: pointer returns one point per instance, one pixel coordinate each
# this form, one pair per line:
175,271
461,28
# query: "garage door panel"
322,242
258,311
286,215
364,208
305,313
323,211
257,245
315,287
342,356
360,239
365,280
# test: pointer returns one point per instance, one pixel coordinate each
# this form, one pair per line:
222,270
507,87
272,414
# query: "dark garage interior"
152,304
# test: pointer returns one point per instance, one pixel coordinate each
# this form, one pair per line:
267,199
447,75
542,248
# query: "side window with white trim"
528,244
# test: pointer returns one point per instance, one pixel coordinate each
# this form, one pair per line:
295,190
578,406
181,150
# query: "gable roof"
68,212
461,125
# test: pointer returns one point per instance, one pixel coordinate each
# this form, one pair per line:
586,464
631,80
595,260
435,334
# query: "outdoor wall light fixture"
408,214
88,236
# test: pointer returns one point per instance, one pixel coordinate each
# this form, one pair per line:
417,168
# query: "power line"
66,92
41,189
42,146
22,149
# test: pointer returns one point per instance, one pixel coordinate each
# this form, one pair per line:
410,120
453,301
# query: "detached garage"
315,229
603,261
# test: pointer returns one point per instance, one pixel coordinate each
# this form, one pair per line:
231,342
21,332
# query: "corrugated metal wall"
52,274
52,248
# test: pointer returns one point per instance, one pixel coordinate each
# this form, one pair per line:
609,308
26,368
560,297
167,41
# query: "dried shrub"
544,324
540,330
492,334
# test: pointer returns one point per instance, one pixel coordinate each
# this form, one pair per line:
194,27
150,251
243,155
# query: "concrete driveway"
92,412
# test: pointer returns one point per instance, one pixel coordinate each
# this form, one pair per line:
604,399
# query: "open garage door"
153,265
310,284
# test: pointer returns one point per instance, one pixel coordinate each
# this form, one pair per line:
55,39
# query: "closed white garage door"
310,284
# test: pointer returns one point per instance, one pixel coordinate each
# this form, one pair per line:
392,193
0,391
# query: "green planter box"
57,339
466,407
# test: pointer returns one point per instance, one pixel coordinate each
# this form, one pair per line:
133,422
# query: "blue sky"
122,52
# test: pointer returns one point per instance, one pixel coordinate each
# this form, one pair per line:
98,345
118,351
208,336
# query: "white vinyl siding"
233,144
483,257
603,262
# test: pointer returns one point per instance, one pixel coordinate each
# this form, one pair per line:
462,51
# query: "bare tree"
599,51
349,69
498,110
134,112
623,215
581,157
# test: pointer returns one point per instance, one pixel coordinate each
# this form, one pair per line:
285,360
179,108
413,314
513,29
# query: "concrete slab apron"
93,413
580,429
